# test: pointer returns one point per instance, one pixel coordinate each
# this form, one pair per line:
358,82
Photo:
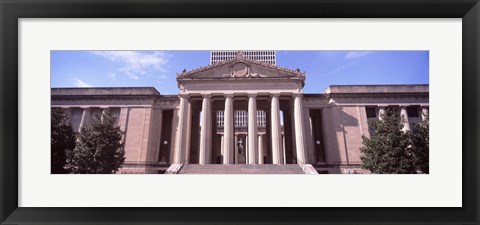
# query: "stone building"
241,115
269,57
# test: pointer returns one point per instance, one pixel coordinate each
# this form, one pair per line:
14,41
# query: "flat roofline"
377,88
104,91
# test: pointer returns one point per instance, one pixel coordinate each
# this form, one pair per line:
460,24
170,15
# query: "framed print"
145,75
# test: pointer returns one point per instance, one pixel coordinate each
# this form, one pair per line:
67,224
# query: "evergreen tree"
100,148
62,139
388,150
420,144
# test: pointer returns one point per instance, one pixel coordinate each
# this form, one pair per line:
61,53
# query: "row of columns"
403,114
86,116
254,142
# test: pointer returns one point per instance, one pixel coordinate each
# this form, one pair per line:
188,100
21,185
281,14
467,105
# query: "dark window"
371,112
413,128
412,111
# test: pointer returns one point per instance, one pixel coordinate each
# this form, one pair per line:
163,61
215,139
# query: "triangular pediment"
240,67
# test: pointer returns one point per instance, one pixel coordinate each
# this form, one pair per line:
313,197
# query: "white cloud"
352,58
345,66
80,83
112,76
135,63
356,54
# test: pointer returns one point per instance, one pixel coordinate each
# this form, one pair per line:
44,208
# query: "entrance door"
316,118
165,136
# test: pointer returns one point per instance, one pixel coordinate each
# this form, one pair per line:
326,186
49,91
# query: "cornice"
239,58
377,95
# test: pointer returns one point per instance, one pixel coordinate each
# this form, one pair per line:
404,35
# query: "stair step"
241,169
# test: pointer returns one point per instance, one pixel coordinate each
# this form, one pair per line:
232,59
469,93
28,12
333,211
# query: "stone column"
404,117
299,130
276,131
247,153
182,133
104,109
236,149
260,149
228,130
205,138
424,112
381,111
283,147
221,146
252,129
85,120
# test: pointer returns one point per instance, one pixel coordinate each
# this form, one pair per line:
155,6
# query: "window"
371,112
261,118
220,118
412,111
241,118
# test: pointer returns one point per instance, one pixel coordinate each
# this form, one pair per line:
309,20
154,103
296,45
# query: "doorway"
165,137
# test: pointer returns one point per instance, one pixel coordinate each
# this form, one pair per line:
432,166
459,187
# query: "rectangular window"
412,111
261,118
371,112
220,118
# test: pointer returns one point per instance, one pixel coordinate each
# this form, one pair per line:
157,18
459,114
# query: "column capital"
274,95
207,96
297,95
252,95
186,96
228,95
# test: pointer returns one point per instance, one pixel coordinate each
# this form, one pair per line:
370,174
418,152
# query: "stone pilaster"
188,130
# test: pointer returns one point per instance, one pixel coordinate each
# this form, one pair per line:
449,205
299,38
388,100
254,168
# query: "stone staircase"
241,169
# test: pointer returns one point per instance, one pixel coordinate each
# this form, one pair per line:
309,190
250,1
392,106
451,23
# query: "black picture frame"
12,10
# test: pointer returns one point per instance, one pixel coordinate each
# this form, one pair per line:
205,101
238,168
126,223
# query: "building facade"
269,57
244,111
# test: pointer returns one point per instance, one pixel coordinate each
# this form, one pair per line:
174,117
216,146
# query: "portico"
233,129
242,113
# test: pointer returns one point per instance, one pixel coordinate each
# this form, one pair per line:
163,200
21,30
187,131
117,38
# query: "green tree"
420,144
99,147
388,150
62,140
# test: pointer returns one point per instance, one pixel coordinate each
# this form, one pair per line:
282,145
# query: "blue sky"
158,68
